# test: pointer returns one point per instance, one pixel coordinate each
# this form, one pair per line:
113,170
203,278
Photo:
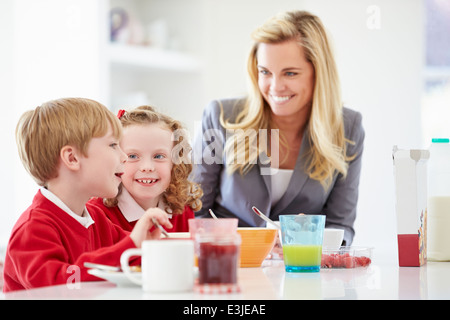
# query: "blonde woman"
289,146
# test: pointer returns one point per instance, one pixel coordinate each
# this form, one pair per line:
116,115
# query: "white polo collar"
85,220
132,211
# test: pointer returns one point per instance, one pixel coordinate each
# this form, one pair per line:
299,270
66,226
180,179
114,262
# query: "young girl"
155,173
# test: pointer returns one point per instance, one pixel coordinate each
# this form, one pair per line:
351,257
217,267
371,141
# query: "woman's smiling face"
148,168
285,78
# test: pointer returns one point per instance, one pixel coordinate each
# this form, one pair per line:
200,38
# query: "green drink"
301,237
302,258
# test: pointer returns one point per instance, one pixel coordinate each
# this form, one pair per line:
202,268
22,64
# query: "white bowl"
332,238
277,250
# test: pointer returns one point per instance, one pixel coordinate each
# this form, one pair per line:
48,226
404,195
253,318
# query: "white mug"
167,265
332,238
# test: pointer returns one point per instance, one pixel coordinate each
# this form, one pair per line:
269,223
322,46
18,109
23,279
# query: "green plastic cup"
301,238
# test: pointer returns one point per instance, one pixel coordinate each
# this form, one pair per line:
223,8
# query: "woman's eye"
132,156
264,72
113,145
291,74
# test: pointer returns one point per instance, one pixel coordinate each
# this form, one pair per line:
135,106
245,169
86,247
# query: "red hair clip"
120,113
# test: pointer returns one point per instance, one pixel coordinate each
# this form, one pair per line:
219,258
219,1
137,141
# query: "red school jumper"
179,221
46,241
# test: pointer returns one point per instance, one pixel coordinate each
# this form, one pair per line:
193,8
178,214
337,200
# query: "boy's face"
103,167
149,164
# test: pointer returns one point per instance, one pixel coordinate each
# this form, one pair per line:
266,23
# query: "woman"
314,166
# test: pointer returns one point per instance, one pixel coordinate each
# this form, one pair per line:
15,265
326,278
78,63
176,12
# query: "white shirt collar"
132,211
85,220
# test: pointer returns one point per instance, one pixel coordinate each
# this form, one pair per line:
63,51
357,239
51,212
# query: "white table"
381,280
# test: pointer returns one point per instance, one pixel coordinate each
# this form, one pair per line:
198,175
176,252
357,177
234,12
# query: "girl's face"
285,78
148,168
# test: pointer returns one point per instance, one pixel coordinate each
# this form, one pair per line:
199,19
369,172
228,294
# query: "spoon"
264,217
101,266
156,223
212,214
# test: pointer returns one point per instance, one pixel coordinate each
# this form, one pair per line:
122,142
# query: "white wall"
380,71
49,49
7,182
380,56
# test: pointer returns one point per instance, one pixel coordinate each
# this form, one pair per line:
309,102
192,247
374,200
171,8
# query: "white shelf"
153,58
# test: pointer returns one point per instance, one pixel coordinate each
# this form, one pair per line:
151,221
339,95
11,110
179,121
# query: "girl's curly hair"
181,192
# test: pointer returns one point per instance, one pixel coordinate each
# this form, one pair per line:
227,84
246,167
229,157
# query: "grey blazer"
234,195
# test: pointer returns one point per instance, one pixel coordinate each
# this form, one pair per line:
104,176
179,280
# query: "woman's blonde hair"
42,133
326,125
181,191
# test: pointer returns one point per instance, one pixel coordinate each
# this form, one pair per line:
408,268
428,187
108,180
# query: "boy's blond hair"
42,133
181,192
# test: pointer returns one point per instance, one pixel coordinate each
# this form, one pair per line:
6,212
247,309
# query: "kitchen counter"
380,280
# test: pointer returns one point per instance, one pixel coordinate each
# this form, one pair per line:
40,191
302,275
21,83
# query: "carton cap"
440,140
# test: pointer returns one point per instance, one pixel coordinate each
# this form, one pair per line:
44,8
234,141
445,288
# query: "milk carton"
439,200
410,172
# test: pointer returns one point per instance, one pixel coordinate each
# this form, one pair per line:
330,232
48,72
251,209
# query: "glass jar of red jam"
218,258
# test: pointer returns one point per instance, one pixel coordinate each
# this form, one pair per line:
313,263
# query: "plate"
117,277
179,235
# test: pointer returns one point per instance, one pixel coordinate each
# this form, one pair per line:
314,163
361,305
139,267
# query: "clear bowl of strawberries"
346,257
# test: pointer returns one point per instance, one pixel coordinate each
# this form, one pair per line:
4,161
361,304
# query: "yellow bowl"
256,243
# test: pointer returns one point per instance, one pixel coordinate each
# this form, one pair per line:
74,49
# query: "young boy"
71,148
